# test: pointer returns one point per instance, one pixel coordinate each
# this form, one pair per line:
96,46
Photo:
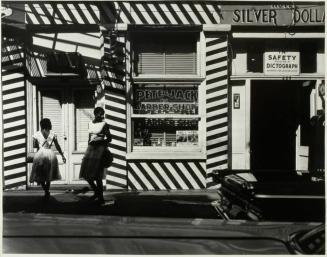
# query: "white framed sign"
282,63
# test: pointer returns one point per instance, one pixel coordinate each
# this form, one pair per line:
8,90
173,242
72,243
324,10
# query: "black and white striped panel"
166,175
114,72
62,13
14,115
114,77
115,109
216,104
37,64
172,13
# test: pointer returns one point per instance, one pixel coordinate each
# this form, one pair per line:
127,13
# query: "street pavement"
147,222
178,203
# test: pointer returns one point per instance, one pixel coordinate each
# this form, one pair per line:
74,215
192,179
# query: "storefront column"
114,75
14,115
216,103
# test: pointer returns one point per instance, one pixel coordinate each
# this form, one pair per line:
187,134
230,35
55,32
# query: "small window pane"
83,115
151,63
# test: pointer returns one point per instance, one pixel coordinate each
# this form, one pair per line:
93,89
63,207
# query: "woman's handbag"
107,158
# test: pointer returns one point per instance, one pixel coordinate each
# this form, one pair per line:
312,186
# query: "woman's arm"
107,133
36,144
59,149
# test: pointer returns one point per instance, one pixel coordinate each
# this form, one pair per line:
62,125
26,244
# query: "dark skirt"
92,165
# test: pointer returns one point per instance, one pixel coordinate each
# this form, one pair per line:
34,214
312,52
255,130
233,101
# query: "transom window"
165,53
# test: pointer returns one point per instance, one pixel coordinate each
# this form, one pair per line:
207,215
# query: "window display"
165,115
165,132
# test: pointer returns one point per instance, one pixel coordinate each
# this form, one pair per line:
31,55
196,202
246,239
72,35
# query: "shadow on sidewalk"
125,204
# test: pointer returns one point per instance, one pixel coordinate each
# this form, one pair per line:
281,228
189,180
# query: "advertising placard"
282,63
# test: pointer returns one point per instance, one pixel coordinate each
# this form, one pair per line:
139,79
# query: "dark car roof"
144,235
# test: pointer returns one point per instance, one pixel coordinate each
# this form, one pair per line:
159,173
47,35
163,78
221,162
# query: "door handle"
65,137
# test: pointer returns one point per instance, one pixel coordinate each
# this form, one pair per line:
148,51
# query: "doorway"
70,109
274,122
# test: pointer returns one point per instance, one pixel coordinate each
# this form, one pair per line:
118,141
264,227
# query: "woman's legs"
46,187
94,188
100,190
43,186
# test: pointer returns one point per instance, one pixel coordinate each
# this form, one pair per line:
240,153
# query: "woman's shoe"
94,197
47,196
100,200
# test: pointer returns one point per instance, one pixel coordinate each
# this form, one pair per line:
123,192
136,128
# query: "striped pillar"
216,104
14,115
114,79
166,175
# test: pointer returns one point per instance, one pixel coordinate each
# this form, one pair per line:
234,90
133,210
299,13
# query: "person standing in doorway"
45,163
92,167
317,136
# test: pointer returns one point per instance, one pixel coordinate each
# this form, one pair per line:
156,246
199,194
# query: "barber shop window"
165,109
165,115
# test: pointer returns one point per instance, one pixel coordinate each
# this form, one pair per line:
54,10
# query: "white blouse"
95,129
44,142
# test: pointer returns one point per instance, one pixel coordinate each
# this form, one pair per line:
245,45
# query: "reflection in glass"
165,132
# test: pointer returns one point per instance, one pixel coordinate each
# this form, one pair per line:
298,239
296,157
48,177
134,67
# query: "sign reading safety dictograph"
282,63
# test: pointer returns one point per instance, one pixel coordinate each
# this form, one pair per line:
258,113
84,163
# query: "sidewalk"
177,203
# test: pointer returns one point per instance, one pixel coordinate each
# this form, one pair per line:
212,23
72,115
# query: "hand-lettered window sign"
165,100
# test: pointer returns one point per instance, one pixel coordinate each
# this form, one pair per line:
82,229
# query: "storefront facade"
188,87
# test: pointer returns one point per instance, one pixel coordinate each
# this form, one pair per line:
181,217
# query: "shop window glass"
165,116
163,54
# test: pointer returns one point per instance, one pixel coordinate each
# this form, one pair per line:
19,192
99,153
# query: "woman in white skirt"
45,163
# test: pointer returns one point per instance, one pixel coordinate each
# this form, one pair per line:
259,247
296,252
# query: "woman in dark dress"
92,168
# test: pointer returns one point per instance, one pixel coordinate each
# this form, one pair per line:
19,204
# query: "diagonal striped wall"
216,104
62,13
166,175
114,73
114,79
164,13
14,114
88,44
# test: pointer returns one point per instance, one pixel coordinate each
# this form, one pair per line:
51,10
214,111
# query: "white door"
69,110
80,114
